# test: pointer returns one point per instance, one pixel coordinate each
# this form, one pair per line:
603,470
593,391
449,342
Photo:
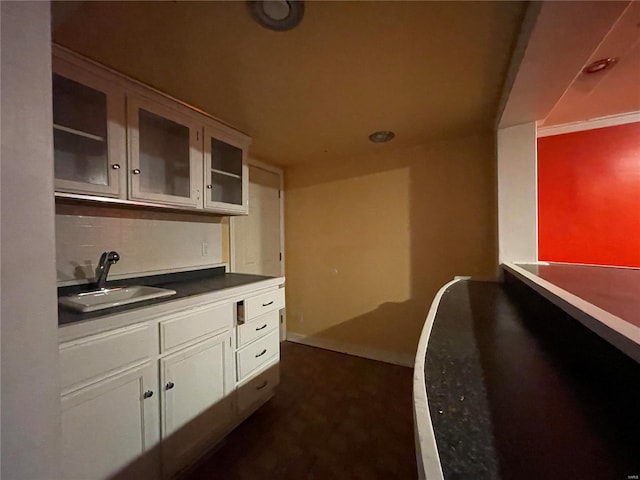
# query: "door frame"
253,162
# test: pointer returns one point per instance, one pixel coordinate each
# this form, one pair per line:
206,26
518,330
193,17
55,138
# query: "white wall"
30,385
517,194
148,241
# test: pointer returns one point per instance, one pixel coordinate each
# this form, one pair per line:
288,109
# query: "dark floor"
334,416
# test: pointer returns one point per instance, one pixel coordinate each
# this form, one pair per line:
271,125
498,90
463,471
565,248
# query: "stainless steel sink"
112,297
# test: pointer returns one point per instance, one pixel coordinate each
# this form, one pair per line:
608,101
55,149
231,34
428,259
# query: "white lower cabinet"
250,331
197,400
110,428
258,389
258,350
145,401
254,356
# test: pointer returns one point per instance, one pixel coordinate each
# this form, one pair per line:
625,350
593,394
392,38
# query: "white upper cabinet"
225,172
115,137
165,154
88,133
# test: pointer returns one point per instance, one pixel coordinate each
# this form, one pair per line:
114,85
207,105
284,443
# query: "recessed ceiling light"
599,65
279,15
382,136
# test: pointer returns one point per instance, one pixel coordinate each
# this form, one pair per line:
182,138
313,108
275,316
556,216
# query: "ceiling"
610,92
425,70
549,86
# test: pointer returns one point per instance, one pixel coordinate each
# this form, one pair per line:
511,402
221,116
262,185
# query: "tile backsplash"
148,241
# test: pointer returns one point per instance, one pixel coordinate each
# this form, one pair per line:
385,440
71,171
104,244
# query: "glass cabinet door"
225,175
87,140
164,150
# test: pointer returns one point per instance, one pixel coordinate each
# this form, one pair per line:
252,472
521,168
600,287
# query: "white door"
109,429
257,236
197,400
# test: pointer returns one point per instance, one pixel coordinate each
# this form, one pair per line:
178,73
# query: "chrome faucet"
102,270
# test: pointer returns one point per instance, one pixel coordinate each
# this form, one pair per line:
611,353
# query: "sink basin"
112,297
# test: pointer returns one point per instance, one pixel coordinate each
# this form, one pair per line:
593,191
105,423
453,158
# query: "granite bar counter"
615,290
186,284
518,389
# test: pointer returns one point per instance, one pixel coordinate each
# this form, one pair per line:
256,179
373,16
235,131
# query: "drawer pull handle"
267,304
147,394
261,353
266,382
169,385
262,327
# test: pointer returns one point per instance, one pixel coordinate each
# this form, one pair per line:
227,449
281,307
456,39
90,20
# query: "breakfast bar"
518,389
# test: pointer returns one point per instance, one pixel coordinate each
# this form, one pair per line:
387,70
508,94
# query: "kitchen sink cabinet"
147,399
120,141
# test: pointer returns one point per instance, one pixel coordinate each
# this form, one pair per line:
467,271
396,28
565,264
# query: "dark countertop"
517,389
185,284
616,290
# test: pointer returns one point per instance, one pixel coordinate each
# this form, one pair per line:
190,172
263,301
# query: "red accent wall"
589,196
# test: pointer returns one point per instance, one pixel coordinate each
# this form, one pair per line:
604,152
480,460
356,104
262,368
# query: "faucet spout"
102,270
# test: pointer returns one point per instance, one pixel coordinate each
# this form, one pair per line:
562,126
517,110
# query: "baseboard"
402,359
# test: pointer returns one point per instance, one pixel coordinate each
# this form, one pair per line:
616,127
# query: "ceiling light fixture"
278,15
382,136
600,65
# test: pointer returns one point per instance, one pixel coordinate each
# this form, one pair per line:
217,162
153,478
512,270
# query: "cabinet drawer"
101,355
261,304
258,327
258,353
186,327
259,388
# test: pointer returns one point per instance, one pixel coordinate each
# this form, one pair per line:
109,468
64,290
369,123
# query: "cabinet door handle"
136,171
267,304
261,353
115,166
147,394
262,327
266,382
169,385
209,186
